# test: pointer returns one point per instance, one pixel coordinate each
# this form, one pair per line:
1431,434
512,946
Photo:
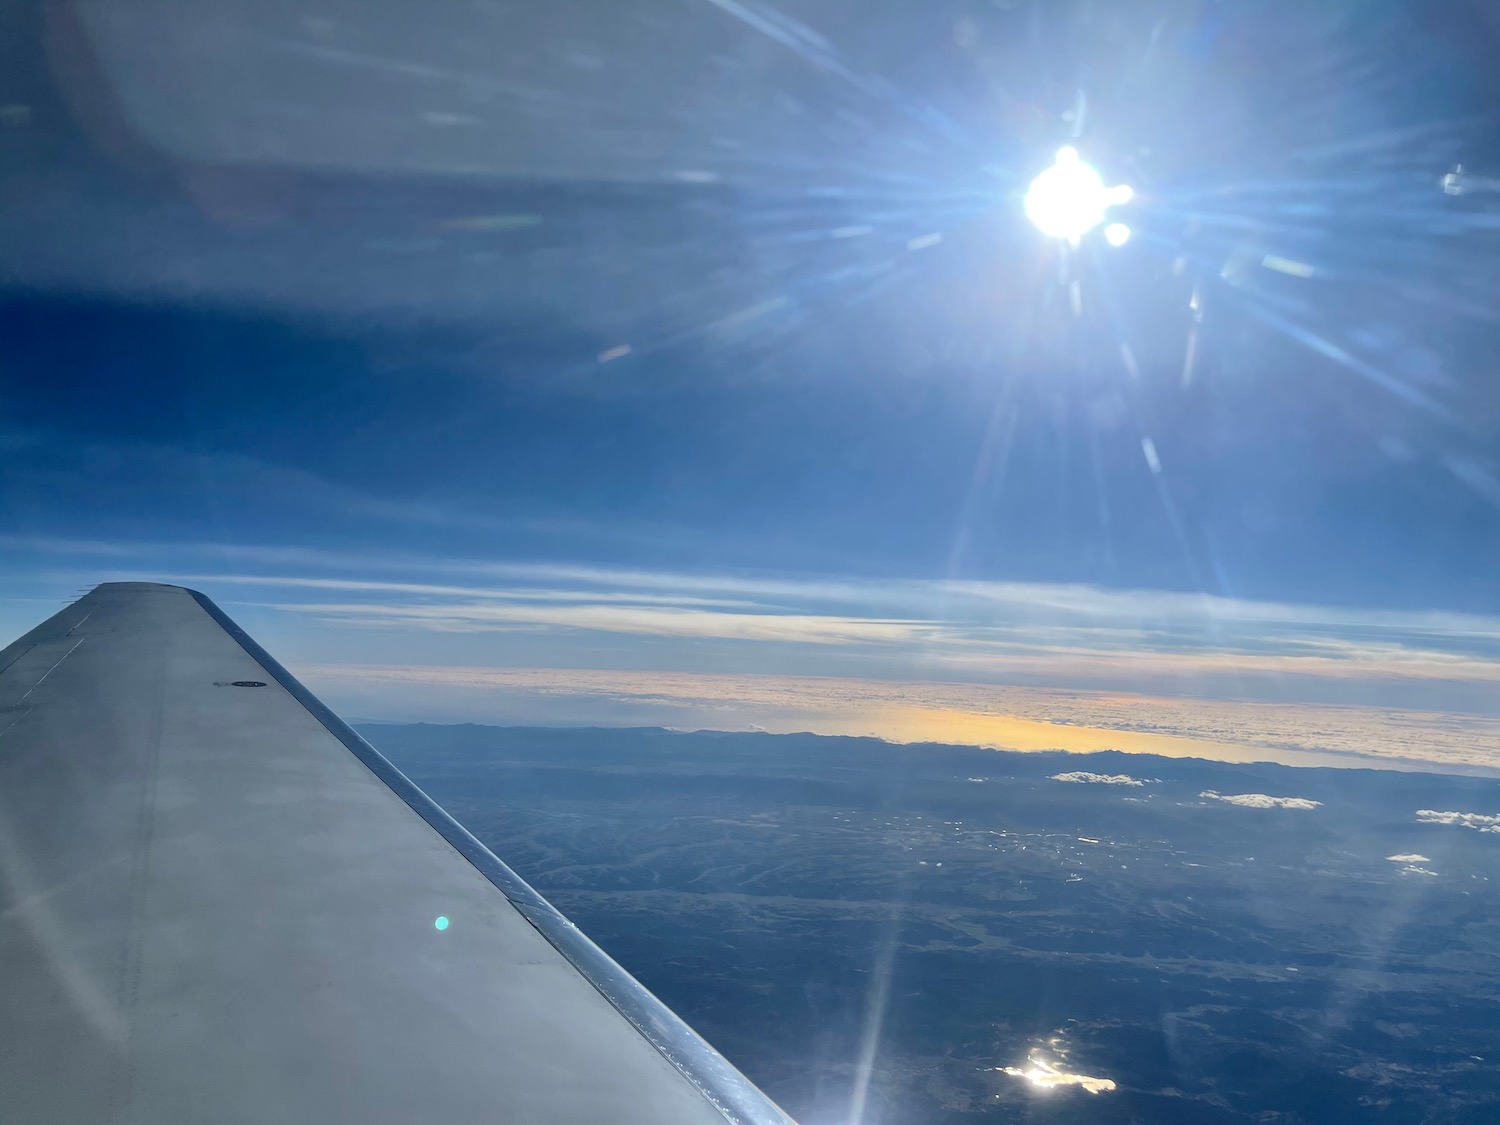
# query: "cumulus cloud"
1260,800
1411,863
1480,822
1083,778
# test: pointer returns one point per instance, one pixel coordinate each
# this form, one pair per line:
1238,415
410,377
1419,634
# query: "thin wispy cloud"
480,594
1130,614
636,620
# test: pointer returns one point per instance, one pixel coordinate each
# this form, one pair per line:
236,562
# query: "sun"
1069,199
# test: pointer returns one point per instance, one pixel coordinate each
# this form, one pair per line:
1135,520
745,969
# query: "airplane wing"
219,904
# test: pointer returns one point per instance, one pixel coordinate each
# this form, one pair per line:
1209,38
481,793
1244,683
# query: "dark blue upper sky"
1296,482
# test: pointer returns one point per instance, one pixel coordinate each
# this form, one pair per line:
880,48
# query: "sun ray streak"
1329,350
876,1004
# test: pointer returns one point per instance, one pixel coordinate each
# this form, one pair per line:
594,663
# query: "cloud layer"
1045,634
978,714
1019,665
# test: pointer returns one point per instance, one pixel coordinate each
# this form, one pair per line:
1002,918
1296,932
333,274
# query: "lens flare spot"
1117,234
440,922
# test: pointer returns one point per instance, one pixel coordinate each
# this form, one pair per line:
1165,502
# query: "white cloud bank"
1083,778
1413,857
1480,822
1260,800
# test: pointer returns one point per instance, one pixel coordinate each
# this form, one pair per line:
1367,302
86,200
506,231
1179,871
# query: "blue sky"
813,402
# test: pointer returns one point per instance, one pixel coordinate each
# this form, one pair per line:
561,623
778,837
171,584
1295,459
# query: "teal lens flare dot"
441,922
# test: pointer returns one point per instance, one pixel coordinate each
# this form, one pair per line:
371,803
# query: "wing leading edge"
218,902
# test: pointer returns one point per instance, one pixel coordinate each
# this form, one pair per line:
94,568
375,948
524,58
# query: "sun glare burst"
1069,199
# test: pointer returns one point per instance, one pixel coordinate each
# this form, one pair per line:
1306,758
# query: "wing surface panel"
217,903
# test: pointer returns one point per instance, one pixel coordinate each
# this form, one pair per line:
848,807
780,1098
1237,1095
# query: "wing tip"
141,587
